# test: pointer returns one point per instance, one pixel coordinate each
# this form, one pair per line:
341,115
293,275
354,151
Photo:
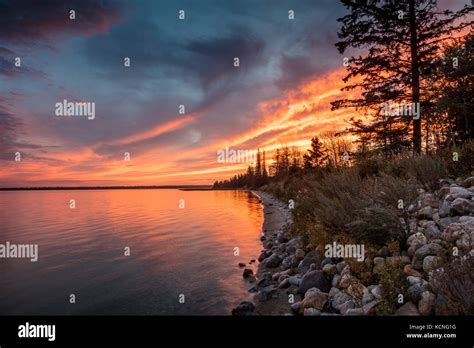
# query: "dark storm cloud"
26,21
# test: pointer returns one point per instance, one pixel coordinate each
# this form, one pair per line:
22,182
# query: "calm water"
174,251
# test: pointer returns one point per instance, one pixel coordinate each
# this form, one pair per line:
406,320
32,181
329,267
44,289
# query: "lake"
181,251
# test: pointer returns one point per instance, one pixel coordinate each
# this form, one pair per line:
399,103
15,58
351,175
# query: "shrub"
455,287
393,283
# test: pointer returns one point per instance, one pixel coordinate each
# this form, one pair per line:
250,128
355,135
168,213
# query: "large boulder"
314,298
425,250
314,279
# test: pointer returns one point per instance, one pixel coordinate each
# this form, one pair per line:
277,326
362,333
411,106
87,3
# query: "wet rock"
273,261
284,284
315,298
247,273
408,309
266,293
243,309
265,254
314,279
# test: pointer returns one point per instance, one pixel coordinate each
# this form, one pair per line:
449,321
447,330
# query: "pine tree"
402,40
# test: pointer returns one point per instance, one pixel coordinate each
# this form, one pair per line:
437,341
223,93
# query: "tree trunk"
415,75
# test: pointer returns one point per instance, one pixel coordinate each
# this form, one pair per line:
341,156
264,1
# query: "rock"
431,263
273,261
433,232
416,240
290,262
398,260
425,213
367,297
333,292
315,298
265,254
311,312
284,284
309,259
383,252
425,250
408,309
293,290
252,279
410,271
414,292
244,308
336,280
330,269
340,266
356,289
342,301
377,292
266,293
445,209
458,192
379,265
414,280
247,273
343,308
461,206
468,182
295,307
354,312
294,280
241,264
299,254
426,303
282,237
369,308
314,279
455,231
326,261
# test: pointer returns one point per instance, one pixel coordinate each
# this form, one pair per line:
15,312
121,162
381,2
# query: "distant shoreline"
59,188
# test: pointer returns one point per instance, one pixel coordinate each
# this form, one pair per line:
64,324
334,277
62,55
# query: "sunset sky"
173,62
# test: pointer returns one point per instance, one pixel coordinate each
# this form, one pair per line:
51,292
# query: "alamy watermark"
236,156
67,108
334,250
401,109
21,251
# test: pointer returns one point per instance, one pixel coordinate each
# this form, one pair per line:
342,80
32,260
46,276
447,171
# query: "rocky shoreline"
296,279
